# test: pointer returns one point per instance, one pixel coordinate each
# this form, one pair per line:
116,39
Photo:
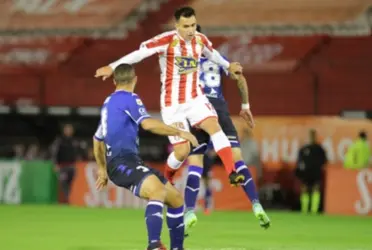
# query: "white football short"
193,112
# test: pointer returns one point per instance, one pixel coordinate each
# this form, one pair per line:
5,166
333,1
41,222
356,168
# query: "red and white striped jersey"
179,64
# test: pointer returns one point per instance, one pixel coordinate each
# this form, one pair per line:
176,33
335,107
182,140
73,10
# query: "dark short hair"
184,12
198,28
363,135
124,73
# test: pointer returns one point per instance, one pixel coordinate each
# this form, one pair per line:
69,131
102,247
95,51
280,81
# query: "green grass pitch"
70,228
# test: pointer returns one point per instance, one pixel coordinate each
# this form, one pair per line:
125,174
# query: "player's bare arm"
245,112
157,127
99,150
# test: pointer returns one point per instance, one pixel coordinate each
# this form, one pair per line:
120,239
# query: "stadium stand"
61,64
283,16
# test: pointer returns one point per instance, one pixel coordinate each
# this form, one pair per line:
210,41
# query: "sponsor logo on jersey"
142,111
139,102
186,65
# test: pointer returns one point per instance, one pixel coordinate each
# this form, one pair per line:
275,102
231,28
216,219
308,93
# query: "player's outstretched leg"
175,160
192,190
223,149
175,217
153,190
250,189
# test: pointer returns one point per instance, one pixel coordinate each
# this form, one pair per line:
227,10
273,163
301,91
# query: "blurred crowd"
80,148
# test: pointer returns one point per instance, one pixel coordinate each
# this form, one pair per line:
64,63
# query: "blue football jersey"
211,78
121,115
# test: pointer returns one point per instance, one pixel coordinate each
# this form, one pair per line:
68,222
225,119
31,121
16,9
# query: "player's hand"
235,68
102,179
246,114
104,72
190,137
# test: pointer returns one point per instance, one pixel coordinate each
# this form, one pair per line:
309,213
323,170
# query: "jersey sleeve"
158,43
216,57
134,57
137,111
98,135
224,70
206,42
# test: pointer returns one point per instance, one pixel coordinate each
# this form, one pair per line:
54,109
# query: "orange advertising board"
348,192
280,138
84,193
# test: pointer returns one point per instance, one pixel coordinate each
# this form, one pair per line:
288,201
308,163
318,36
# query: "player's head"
125,77
363,135
185,22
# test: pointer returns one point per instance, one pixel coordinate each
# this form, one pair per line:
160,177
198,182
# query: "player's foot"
190,221
169,174
236,179
261,215
157,246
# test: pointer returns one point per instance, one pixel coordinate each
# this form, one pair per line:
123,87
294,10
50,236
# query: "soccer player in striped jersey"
182,99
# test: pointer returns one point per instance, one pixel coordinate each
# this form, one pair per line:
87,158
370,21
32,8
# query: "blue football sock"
192,186
176,227
248,186
154,222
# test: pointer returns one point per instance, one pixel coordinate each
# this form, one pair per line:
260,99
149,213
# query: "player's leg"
181,147
195,170
131,173
248,186
193,180
315,199
192,189
175,217
304,198
195,161
204,116
314,186
175,213
155,192
176,158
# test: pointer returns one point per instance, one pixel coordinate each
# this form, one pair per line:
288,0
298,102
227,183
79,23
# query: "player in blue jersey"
116,152
211,76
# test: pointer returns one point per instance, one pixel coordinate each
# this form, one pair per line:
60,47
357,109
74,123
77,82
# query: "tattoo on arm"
243,88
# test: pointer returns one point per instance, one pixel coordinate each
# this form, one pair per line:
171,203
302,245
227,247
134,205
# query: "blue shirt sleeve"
137,111
99,133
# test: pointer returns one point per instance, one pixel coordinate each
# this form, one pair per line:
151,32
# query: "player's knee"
182,151
158,193
174,198
210,125
153,189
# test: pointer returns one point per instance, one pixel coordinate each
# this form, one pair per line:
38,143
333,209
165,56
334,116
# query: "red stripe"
182,86
194,93
169,76
159,42
206,42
